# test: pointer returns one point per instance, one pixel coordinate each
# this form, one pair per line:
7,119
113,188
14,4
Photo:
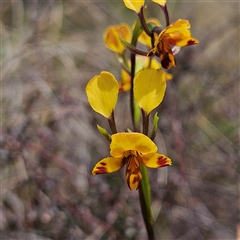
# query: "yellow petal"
122,142
160,2
178,25
149,88
112,37
178,34
155,160
108,165
124,31
102,93
133,172
141,62
134,5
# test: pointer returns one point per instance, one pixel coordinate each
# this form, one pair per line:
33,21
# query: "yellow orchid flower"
149,88
112,36
176,34
102,93
131,149
134,5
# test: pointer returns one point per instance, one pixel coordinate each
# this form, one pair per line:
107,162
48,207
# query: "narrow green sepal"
104,133
136,33
133,49
145,201
122,59
137,114
155,126
137,30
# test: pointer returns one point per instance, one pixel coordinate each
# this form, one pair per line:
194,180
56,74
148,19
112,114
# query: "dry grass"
49,140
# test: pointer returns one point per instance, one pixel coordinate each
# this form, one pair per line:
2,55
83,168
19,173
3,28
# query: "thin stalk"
133,63
136,124
144,190
144,23
112,124
165,10
145,201
145,119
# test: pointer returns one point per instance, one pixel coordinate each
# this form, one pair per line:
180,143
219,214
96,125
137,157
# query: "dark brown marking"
191,42
162,161
136,179
133,168
103,163
101,170
165,60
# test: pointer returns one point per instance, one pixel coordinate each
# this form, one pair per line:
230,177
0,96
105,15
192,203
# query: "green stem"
145,201
144,190
135,117
133,63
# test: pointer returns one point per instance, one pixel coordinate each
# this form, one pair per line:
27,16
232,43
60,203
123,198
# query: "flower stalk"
144,23
144,190
145,202
136,121
112,124
144,77
164,8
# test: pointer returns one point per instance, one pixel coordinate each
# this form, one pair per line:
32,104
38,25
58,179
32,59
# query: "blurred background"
50,143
